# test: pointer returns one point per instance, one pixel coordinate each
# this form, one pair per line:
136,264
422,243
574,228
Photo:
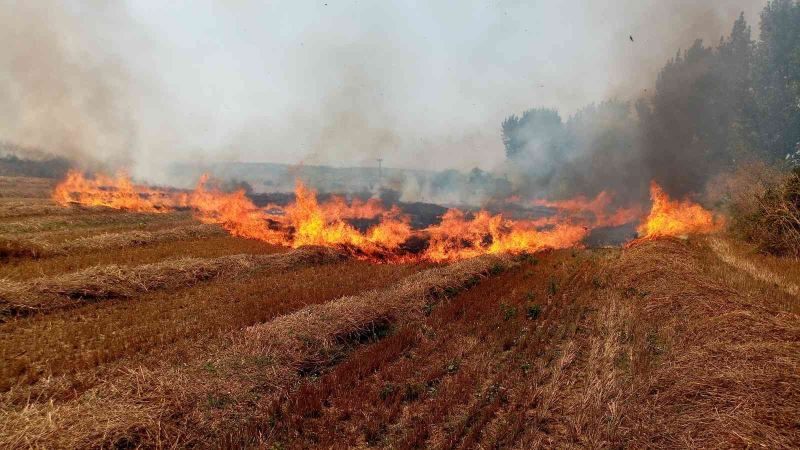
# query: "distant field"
667,343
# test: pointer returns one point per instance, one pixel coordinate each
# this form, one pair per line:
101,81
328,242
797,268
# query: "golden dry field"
137,330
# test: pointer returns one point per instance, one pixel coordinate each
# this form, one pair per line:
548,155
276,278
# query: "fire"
118,193
595,211
357,209
233,211
457,237
313,226
675,218
306,221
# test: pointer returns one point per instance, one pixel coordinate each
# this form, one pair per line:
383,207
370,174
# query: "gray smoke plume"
61,88
129,84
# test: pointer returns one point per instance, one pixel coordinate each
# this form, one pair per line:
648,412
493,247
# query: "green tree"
539,127
703,115
735,66
777,77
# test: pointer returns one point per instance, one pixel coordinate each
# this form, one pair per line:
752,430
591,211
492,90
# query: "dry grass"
479,372
308,339
94,218
659,346
731,374
157,407
16,248
759,270
103,282
57,356
11,247
138,238
21,207
26,187
21,269
764,206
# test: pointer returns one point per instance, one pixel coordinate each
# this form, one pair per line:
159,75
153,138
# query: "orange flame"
312,226
457,238
357,209
117,193
597,208
233,211
675,218
307,222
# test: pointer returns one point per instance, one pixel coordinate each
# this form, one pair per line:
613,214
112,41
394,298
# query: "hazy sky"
420,84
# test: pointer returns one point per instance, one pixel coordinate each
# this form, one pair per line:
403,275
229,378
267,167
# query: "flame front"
675,218
306,221
118,193
457,237
391,238
233,211
594,212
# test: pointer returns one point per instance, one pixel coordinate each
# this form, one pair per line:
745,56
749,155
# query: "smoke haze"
142,84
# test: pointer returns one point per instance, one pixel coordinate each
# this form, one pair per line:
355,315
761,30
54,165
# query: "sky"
420,84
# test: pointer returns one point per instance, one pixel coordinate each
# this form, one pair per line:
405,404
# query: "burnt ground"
423,215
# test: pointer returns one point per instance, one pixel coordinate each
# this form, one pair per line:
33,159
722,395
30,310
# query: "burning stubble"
391,238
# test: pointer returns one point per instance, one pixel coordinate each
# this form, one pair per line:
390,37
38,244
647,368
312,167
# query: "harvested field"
728,372
782,272
143,418
618,354
138,238
228,225
91,219
37,248
21,207
20,269
70,355
26,187
104,282
161,332
479,369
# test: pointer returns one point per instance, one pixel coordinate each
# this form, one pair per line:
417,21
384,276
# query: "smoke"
60,89
681,130
659,30
128,84
355,119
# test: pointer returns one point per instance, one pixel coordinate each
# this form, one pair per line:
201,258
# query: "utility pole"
380,173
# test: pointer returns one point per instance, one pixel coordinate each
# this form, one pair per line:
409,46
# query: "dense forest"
713,107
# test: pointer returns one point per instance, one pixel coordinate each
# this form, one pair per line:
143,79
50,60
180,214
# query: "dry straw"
140,238
26,187
113,281
195,404
15,247
731,376
70,221
21,207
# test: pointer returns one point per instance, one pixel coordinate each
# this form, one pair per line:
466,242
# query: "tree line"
713,107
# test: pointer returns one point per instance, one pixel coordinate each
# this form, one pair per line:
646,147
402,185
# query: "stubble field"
127,330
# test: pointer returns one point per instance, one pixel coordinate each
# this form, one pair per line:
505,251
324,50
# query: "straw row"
730,371
12,247
196,404
113,281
